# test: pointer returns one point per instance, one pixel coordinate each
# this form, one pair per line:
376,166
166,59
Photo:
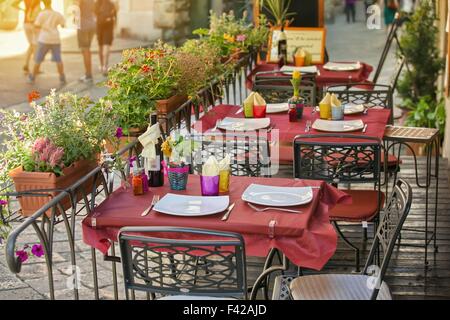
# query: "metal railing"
226,89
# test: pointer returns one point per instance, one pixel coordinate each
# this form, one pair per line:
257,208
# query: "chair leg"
356,249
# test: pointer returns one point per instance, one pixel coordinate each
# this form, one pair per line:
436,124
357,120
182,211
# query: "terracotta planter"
29,181
171,104
419,149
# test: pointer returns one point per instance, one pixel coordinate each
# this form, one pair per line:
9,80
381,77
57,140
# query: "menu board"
311,39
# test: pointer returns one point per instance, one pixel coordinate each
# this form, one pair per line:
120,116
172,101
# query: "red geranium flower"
33,95
146,68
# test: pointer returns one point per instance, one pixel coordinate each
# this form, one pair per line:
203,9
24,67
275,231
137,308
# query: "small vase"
298,104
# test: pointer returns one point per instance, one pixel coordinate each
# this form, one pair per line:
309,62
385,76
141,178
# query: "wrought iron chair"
249,151
353,160
369,285
279,90
210,267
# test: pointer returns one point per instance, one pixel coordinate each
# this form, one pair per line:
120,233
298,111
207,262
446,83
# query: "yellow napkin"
335,101
211,167
248,105
224,164
326,99
258,100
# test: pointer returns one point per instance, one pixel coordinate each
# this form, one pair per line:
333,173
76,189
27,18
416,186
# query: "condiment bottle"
292,113
137,183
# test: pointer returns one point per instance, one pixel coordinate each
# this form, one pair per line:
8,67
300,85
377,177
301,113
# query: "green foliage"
427,113
74,124
279,11
419,45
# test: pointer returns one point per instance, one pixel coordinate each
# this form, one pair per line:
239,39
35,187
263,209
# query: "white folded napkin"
149,140
211,167
224,164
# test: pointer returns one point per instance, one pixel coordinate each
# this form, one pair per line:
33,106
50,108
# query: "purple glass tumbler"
210,186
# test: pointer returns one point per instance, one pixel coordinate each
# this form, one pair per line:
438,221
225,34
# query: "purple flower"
22,255
3,202
37,250
119,132
131,160
241,38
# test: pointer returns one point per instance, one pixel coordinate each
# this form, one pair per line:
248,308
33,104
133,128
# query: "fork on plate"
154,201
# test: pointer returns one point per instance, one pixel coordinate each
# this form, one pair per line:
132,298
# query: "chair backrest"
249,151
347,159
279,90
211,264
395,212
377,96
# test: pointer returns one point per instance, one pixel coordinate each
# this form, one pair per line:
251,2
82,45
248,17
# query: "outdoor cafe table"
376,120
324,78
307,239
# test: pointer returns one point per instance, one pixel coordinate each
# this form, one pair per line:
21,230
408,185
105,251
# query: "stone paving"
345,42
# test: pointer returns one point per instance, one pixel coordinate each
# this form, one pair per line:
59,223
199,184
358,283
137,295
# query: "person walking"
390,9
47,23
350,10
106,12
85,34
31,11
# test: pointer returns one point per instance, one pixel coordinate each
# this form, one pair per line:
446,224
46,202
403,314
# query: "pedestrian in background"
85,33
390,9
106,12
31,11
47,23
350,10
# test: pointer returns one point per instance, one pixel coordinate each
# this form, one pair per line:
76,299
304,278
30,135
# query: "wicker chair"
369,285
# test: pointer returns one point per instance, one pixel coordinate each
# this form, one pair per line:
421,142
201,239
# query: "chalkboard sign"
308,13
310,39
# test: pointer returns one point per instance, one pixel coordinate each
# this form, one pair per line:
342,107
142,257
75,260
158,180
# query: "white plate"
277,107
277,196
335,66
351,108
240,124
290,69
191,206
338,126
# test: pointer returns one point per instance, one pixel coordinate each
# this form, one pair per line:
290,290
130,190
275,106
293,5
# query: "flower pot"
29,181
419,149
170,105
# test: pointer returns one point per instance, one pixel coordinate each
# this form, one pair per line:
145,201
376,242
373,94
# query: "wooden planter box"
170,105
29,181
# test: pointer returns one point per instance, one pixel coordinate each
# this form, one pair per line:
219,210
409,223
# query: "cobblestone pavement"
345,42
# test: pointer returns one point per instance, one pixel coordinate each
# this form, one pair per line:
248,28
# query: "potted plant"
418,85
278,12
52,147
144,81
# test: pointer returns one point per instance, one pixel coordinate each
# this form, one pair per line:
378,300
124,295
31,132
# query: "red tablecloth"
325,78
308,239
376,119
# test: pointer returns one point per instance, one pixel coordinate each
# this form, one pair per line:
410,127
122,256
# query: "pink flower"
22,255
56,156
241,38
40,144
3,203
37,250
119,132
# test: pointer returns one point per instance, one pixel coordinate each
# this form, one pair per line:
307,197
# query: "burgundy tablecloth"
308,239
376,119
325,78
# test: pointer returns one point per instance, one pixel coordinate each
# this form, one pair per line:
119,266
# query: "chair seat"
194,298
336,287
364,206
392,161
